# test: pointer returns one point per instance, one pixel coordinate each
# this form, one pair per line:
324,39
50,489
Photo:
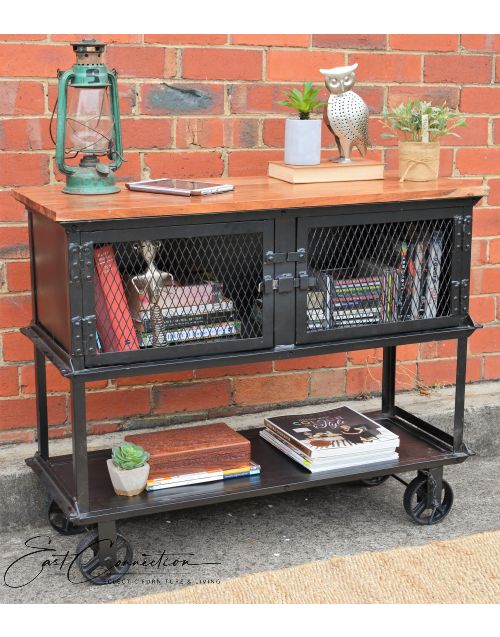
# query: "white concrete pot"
303,142
130,481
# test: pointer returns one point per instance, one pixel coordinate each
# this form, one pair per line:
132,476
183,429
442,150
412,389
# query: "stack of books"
190,313
193,455
333,439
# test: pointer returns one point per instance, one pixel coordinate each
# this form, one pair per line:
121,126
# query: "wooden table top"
251,193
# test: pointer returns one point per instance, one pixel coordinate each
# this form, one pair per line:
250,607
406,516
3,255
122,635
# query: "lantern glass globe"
89,120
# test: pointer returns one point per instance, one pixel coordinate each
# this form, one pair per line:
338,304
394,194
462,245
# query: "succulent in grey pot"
128,468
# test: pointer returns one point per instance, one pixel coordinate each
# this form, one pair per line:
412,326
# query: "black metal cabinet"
280,278
270,266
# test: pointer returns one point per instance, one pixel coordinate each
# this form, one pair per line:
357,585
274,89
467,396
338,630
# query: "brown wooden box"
192,449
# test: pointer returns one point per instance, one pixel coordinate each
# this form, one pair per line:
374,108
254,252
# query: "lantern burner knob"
88,51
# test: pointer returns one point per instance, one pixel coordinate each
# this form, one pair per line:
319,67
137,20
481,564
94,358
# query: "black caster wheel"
61,523
374,482
88,559
414,502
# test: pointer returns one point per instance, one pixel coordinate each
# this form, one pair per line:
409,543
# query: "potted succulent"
421,125
128,468
303,135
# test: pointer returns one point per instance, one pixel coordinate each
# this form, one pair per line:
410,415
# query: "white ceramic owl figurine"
346,114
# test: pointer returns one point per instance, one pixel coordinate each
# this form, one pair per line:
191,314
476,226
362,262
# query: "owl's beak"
339,70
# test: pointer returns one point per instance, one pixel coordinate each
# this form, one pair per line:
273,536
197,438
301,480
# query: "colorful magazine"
333,432
337,462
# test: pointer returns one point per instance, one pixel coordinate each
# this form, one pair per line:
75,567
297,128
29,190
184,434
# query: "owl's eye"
347,78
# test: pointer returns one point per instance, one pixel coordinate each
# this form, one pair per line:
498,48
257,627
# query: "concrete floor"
267,533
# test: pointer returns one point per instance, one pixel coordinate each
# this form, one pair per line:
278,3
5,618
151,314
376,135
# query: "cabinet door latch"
287,283
297,257
288,257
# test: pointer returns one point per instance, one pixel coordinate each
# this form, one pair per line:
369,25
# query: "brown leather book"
327,171
193,449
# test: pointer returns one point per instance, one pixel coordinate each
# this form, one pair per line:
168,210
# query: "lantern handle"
61,122
115,106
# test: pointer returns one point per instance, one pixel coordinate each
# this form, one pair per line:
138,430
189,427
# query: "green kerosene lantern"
88,122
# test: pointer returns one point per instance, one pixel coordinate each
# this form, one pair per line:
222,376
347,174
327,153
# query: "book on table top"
327,171
333,432
194,449
167,481
113,318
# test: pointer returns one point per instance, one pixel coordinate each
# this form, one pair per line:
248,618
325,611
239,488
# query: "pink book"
113,318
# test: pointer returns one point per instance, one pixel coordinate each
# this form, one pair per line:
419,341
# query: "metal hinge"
83,334
467,233
81,262
460,296
464,295
463,232
286,257
458,234
455,297
287,283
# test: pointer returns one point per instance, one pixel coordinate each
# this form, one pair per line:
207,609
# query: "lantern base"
87,181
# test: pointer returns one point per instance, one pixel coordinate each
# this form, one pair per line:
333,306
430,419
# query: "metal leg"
42,421
80,461
458,429
434,486
389,380
104,556
107,543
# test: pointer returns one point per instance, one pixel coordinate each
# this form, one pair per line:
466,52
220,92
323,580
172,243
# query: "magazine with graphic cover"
327,464
332,432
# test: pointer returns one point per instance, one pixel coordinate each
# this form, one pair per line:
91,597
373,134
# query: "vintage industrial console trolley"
267,245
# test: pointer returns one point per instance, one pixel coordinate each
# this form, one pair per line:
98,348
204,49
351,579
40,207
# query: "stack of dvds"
345,301
333,439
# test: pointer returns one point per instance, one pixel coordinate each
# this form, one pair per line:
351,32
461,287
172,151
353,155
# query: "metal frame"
283,233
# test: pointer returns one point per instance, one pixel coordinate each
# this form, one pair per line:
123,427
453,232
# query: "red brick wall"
230,124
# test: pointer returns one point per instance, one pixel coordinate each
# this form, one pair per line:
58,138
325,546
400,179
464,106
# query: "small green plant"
304,102
407,119
129,456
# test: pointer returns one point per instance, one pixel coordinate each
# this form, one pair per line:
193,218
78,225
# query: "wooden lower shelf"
279,473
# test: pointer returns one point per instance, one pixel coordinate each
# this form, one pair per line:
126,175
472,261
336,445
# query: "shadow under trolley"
138,283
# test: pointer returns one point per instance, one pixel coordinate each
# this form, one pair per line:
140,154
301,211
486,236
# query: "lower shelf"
418,450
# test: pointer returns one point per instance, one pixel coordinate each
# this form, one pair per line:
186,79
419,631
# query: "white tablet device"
183,187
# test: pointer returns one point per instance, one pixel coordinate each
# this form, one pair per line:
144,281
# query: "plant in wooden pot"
420,125
128,468
303,135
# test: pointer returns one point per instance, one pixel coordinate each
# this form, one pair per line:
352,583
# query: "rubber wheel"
61,523
374,482
88,559
415,497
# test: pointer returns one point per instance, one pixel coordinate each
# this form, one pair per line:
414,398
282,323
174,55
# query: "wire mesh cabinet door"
178,291
377,273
